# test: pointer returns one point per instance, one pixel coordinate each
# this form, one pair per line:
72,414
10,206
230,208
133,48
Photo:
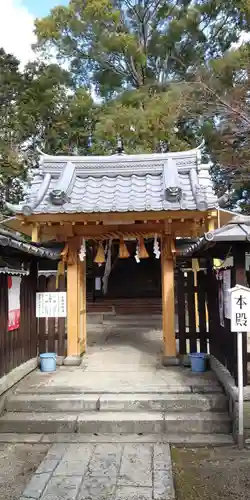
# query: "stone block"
131,493
75,460
47,465
72,361
136,466
163,485
205,422
106,460
62,488
97,488
120,422
170,361
162,457
57,450
37,422
52,403
36,485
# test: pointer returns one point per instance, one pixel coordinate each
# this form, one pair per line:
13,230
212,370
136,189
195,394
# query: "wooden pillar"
73,310
168,302
82,305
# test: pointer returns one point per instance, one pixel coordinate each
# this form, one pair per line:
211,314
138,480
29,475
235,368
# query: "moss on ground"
211,473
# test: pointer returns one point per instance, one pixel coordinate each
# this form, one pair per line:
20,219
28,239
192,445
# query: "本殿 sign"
240,308
51,305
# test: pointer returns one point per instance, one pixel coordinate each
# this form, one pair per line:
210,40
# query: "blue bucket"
198,362
48,362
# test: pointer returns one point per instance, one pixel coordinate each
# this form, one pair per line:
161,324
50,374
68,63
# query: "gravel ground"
18,462
211,473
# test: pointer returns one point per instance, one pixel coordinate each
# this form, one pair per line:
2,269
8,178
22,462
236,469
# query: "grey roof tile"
124,183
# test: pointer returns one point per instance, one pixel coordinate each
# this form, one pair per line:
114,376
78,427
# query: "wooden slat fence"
20,345
51,331
201,329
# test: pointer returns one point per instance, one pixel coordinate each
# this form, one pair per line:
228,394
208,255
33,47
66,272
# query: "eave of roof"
17,243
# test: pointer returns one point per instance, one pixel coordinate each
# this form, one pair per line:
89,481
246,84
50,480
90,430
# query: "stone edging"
231,390
227,380
14,376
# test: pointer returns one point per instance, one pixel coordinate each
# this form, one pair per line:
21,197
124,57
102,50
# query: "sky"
17,24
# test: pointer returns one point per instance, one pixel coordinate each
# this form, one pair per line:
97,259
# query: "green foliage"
121,44
40,109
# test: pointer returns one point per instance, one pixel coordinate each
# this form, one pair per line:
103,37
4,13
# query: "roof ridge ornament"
171,181
119,146
60,194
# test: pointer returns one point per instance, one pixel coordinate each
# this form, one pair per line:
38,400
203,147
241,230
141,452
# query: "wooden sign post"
240,323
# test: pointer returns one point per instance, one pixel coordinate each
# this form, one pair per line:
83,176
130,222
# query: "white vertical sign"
240,323
51,305
240,309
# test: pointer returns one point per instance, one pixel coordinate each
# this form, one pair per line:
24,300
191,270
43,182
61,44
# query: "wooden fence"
20,345
51,331
201,328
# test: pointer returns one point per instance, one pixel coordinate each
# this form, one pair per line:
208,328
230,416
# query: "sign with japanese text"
51,305
14,283
240,309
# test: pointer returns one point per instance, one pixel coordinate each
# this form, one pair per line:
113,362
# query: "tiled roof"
122,183
238,229
7,239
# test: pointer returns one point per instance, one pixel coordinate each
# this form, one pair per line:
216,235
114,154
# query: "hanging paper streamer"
137,253
156,248
141,251
108,267
82,252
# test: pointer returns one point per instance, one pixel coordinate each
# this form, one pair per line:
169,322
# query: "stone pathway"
103,471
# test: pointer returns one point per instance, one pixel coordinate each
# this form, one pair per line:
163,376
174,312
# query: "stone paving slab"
103,471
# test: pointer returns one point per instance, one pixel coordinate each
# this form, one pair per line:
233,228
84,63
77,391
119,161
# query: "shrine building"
128,209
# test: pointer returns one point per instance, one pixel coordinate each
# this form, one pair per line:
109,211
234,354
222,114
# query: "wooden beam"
35,234
117,216
89,231
168,300
73,314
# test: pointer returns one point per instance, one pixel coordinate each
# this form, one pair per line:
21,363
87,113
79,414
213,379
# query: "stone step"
116,422
116,402
180,439
120,328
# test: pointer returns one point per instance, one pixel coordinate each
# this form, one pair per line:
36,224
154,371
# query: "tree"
137,54
11,165
147,120
124,44
220,94
40,110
